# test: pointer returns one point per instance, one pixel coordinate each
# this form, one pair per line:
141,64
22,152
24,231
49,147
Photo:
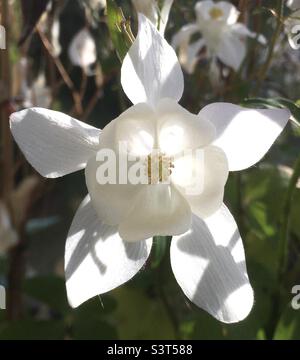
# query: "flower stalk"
280,22
284,231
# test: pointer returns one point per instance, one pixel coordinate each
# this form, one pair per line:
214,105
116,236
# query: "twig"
92,103
67,80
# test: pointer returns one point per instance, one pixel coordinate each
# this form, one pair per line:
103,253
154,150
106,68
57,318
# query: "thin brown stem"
65,76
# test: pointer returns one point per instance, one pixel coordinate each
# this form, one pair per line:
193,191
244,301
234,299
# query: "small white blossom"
222,36
82,50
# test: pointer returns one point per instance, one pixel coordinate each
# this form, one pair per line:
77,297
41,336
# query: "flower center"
216,13
158,167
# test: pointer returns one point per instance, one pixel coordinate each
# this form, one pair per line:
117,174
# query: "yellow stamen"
159,168
216,13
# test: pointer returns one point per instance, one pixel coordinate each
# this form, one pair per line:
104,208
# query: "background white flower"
222,36
82,50
208,259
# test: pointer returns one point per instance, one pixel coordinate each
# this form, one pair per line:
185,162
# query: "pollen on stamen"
216,13
158,168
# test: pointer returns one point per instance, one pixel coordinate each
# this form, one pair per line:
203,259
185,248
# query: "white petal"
209,265
96,258
151,70
148,8
242,30
55,144
82,50
188,53
229,14
183,36
231,50
165,12
202,9
201,177
180,130
159,210
245,135
192,56
113,200
137,128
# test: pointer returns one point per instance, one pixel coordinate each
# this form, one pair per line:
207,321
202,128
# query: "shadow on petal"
215,273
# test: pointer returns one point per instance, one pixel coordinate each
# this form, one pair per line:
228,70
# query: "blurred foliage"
152,306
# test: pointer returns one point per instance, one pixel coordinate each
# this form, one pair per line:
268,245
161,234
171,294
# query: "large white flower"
82,50
222,36
207,254
151,9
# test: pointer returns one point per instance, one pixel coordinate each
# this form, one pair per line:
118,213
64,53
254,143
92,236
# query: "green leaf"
281,103
258,218
261,102
141,317
91,321
119,29
288,327
32,330
49,290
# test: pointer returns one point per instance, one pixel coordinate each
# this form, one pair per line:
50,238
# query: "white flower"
207,254
82,50
222,36
8,236
151,10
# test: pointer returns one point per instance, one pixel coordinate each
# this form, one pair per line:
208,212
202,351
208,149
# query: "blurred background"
40,67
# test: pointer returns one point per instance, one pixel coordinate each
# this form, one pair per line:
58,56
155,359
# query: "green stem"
162,293
264,70
283,252
284,231
240,211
